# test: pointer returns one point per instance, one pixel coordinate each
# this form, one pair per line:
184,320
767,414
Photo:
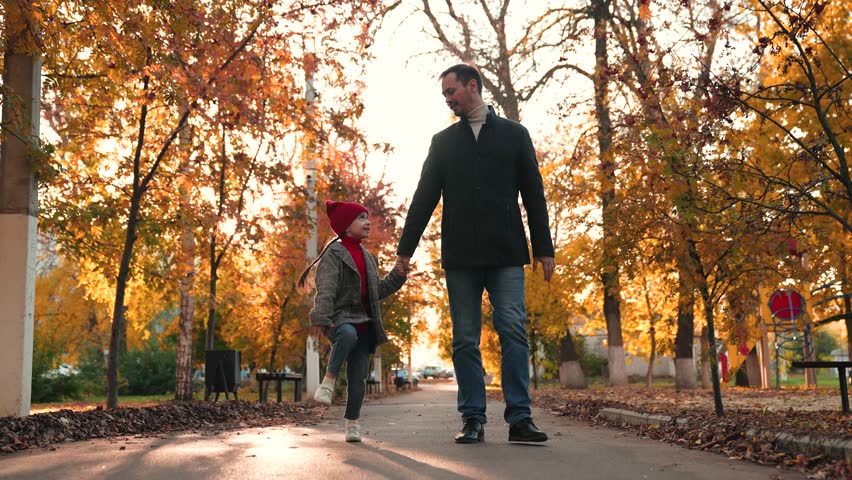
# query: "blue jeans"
505,287
348,346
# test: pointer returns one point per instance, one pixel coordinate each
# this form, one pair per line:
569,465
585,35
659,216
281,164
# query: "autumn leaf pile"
747,431
45,429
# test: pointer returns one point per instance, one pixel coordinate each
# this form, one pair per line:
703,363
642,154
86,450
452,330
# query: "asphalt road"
408,436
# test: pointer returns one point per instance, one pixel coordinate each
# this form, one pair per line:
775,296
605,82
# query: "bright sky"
403,107
403,102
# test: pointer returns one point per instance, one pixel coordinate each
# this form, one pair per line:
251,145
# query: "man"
479,165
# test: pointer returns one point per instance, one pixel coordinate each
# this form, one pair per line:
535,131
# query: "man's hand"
547,265
318,331
403,265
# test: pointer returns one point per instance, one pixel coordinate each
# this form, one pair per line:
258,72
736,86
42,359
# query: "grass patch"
824,379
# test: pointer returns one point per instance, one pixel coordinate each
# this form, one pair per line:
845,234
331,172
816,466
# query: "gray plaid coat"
338,298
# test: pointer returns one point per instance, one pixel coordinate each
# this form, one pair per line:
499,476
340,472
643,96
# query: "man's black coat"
480,181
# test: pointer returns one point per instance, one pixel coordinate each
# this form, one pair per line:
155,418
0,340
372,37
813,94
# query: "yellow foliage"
67,313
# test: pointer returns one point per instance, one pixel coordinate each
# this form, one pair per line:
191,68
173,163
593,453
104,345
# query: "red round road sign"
786,304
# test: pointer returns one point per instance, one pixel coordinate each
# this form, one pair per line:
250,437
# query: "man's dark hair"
465,73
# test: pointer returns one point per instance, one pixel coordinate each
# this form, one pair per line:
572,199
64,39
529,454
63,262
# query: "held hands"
547,266
403,266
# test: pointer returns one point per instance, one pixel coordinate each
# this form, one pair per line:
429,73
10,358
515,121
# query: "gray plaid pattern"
338,297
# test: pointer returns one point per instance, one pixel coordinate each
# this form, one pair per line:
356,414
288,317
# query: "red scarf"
353,245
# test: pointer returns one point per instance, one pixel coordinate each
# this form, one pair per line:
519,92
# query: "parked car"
63,370
432,371
400,377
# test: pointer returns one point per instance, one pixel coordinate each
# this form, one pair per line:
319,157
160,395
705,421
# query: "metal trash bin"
221,373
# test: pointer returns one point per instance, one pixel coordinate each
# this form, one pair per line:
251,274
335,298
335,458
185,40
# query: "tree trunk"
847,307
186,270
211,298
609,262
409,346
711,343
741,377
276,335
652,319
19,140
846,274
276,344
276,341
570,372
685,376
118,333
117,344
649,375
808,353
506,90
752,368
377,369
705,359
214,261
140,185
642,64
763,345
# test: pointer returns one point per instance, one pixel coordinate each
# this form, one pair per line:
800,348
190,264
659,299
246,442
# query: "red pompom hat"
342,214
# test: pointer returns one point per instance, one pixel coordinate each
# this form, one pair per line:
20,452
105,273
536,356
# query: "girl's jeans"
505,287
348,346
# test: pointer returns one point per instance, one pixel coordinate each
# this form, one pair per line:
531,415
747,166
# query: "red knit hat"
342,214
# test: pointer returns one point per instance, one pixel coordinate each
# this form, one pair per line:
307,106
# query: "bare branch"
548,75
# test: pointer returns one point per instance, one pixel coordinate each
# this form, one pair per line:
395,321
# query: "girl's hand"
318,331
402,266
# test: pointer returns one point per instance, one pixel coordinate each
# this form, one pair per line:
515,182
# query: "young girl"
346,307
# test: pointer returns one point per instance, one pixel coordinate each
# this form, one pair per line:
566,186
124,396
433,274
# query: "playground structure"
792,325
791,332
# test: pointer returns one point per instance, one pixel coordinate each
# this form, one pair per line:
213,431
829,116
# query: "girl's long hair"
303,278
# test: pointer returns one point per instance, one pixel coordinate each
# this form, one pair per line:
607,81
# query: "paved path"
408,436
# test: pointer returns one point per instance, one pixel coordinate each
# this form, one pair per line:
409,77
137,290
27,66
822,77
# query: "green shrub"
49,385
147,372
56,388
592,365
824,344
93,370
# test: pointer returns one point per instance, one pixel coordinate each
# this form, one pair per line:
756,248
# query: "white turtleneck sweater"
476,119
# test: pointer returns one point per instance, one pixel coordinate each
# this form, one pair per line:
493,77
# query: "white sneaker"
353,432
323,394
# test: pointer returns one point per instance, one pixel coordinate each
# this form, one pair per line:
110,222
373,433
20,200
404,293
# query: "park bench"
264,378
841,373
373,386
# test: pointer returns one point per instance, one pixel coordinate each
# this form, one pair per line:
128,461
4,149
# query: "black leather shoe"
471,432
526,431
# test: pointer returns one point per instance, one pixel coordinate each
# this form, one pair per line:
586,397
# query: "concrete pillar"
18,207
